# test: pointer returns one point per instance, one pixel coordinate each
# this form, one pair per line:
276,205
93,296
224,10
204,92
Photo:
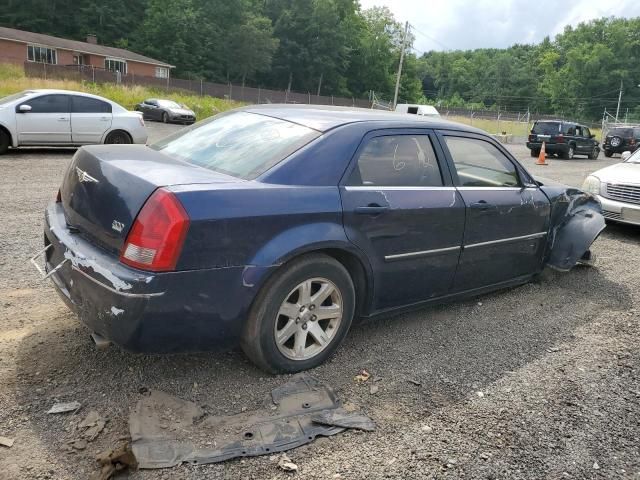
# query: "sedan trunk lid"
105,187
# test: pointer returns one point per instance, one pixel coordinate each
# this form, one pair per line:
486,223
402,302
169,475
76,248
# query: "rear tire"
535,153
594,153
5,142
118,137
568,155
608,154
165,117
282,332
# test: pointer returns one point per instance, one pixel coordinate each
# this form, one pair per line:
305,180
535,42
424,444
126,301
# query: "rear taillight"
156,237
632,141
532,138
560,138
58,197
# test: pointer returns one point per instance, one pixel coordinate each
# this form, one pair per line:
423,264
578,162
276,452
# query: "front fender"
576,221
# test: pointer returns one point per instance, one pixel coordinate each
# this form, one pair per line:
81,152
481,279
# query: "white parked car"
618,189
66,118
415,109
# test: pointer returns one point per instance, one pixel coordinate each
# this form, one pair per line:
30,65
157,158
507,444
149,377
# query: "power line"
446,47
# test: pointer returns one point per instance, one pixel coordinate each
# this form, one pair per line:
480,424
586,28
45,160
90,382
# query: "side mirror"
592,136
625,155
24,108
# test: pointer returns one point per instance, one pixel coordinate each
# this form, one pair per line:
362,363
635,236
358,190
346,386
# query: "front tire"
300,316
594,153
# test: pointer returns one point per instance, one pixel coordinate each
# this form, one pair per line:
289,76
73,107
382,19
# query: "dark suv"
621,139
565,139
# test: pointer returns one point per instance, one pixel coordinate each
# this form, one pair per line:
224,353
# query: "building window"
42,54
162,72
115,65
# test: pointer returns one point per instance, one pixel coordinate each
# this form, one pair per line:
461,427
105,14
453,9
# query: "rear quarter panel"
258,224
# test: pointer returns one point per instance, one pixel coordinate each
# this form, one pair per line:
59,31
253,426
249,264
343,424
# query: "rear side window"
89,105
546,128
49,104
397,161
240,144
622,132
481,164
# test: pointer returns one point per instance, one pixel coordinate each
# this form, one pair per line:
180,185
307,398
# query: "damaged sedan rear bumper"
195,310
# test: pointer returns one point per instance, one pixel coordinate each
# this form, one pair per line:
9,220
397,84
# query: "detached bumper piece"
167,431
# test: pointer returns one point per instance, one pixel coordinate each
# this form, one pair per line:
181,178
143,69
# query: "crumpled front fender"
576,221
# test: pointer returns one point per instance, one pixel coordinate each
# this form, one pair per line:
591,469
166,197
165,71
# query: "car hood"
620,173
181,111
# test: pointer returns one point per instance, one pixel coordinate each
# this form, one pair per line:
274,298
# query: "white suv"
63,118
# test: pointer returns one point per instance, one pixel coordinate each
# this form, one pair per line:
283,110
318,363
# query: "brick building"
19,46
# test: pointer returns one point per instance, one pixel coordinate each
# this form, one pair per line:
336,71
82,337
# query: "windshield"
635,158
168,104
546,128
240,144
13,97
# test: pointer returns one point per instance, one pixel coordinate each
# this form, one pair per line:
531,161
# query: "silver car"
66,118
618,189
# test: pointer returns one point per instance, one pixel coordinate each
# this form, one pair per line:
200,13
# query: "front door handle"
63,119
372,209
483,205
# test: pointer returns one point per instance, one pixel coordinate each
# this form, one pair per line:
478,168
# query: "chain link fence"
229,91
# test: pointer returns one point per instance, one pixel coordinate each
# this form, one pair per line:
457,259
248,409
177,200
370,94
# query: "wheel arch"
110,132
354,261
5,129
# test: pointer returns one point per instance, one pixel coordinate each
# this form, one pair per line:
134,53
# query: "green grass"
13,80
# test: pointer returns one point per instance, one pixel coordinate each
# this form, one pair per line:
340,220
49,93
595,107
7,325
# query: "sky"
469,24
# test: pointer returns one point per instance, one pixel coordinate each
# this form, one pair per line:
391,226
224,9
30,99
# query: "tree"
251,47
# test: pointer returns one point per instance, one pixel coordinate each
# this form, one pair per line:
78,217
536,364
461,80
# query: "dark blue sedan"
276,227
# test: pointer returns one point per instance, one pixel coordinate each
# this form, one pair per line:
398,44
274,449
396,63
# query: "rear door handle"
483,205
372,209
63,119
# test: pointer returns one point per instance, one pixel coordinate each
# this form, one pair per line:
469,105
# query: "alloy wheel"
308,319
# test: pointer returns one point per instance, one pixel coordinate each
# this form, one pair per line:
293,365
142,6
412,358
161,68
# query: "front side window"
240,144
397,161
114,65
49,104
586,132
89,105
42,54
480,163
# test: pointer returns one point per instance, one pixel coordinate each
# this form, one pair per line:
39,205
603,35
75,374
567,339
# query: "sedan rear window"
240,144
546,128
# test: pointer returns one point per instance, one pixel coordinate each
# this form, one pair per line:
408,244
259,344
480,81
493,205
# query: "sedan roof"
323,118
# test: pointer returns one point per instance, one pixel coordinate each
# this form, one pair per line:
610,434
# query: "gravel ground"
534,382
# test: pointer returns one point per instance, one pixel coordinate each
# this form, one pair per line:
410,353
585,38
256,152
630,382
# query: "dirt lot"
540,381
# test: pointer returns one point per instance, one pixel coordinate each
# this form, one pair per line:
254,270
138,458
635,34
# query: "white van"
426,110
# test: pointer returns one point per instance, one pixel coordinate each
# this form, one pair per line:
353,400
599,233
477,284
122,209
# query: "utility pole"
619,100
404,42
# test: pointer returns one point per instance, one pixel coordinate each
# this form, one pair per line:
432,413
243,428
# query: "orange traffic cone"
542,158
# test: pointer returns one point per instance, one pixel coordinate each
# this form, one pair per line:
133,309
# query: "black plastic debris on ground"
167,431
